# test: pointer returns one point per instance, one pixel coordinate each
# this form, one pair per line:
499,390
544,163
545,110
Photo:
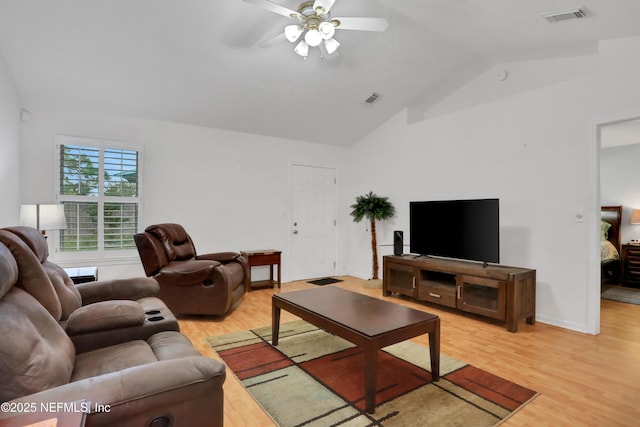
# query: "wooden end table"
367,322
262,257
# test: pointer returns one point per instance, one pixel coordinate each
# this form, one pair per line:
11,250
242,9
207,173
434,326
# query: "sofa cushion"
176,241
32,277
118,289
8,270
34,238
234,273
161,346
70,299
187,272
112,359
171,345
36,354
64,287
104,316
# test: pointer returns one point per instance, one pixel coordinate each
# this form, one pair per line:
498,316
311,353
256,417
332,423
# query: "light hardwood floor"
583,380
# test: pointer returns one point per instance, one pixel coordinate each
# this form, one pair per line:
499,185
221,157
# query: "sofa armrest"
105,315
122,289
189,390
221,257
186,273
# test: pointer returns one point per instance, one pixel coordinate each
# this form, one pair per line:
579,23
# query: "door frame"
593,221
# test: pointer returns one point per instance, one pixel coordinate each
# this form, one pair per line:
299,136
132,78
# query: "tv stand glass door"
483,296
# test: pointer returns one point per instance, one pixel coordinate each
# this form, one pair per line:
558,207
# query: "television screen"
465,229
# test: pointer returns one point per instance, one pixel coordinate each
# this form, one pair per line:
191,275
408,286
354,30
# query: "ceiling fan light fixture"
292,32
331,45
327,30
313,37
314,26
302,49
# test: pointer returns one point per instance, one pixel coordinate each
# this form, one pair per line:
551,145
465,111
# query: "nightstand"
630,258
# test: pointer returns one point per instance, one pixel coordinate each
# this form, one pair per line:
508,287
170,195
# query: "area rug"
631,296
313,378
324,281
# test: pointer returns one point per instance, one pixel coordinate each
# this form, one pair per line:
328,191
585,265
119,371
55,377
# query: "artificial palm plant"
374,208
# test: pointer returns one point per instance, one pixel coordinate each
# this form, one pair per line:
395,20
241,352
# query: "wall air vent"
564,15
371,98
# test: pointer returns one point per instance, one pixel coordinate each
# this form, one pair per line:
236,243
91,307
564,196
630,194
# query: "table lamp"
43,217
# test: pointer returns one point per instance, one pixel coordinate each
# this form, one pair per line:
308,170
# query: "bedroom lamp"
635,216
43,217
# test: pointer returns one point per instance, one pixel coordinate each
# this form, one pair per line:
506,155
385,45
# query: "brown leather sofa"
94,314
190,283
161,381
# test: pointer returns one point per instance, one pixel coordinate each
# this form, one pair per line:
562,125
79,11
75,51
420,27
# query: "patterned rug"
631,296
313,378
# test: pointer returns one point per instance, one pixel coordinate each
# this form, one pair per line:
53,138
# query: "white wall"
619,64
9,148
230,190
620,94
619,177
535,147
529,149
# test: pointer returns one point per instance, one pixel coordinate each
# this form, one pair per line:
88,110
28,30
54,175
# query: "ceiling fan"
315,27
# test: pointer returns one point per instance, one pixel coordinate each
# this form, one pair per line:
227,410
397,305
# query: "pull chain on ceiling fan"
315,26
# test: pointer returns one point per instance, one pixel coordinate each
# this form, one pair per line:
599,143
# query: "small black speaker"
398,244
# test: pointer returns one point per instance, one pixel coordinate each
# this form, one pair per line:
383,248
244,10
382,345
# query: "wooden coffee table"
367,322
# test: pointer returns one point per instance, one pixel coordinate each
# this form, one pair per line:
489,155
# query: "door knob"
295,231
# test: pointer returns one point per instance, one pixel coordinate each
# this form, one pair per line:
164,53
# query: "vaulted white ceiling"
197,61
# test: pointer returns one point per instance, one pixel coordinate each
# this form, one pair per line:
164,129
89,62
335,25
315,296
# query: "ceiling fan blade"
274,7
272,41
326,5
362,24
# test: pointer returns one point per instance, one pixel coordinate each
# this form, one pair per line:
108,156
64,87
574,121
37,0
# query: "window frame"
108,255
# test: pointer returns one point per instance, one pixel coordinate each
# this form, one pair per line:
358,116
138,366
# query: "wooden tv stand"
500,292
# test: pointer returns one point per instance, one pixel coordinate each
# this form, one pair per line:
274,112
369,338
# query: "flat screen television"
463,229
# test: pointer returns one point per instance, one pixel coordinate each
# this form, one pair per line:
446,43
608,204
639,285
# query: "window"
100,191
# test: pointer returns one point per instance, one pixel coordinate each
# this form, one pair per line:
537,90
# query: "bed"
610,244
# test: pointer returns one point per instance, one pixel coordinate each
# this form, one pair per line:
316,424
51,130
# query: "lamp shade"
635,216
327,30
302,49
331,45
43,216
313,37
292,32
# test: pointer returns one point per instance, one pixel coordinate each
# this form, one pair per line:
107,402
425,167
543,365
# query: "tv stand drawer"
437,293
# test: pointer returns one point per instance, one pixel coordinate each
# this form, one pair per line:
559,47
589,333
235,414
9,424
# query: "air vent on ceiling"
371,98
564,15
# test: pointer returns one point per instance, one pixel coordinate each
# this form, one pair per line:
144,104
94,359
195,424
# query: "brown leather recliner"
94,314
160,381
190,283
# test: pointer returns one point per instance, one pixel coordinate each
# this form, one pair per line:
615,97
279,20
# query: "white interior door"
313,222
